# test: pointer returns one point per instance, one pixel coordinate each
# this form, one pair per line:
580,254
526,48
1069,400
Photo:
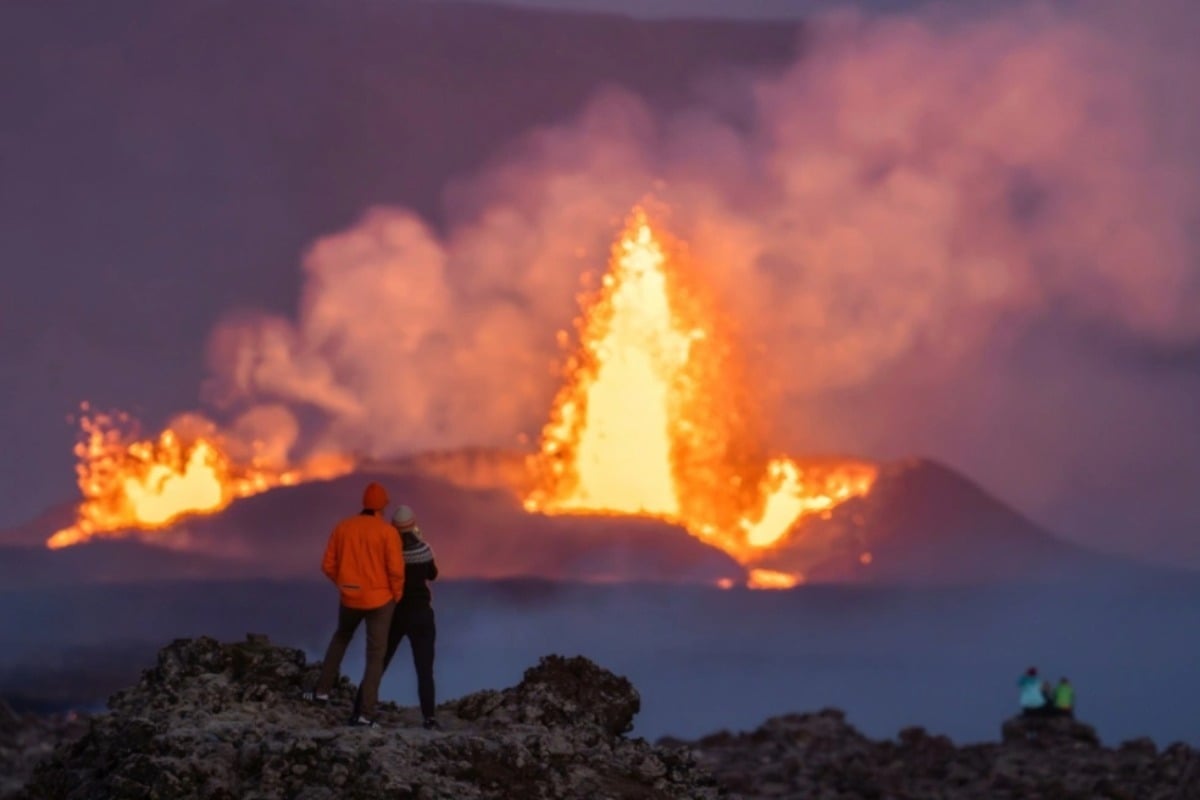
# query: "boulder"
1051,732
559,691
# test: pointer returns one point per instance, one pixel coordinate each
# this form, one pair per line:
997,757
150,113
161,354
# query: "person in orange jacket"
365,561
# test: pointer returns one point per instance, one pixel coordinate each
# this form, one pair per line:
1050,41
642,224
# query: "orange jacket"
364,559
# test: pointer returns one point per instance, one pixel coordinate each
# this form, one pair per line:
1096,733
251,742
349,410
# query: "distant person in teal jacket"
1033,699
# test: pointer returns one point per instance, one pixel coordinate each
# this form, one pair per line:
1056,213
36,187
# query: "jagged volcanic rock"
220,720
559,691
225,720
821,757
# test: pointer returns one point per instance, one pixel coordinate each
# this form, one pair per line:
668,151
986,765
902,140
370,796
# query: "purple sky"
167,166
729,9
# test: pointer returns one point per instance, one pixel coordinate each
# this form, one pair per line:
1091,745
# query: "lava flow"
654,419
146,484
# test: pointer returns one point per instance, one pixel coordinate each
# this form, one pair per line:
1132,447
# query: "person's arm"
394,561
329,564
432,573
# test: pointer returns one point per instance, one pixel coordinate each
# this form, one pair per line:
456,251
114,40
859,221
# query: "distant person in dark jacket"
414,613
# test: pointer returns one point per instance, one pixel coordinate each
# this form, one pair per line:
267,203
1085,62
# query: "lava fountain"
134,483
655,418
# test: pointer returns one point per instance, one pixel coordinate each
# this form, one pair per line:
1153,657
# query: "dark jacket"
419,569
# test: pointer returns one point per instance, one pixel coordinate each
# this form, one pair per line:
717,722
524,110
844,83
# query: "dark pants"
378,622
421,629
1044,711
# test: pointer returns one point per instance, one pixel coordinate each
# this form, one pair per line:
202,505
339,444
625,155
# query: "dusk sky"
972,240
734,9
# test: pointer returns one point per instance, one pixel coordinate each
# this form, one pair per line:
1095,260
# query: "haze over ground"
702,659
153,188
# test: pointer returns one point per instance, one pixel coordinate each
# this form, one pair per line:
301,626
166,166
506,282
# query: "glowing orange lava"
653,420
131,483
771,579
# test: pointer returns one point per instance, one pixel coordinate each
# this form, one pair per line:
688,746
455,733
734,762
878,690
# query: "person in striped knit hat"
414,617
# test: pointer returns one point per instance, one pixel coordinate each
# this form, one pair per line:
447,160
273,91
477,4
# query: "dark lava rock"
10,721
26,739
226,721
1051,733
821,757
559,691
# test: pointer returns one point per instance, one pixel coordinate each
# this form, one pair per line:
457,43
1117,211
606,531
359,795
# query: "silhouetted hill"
112,561
476,533
926,523
922,523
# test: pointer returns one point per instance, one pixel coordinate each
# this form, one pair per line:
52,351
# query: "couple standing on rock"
381,572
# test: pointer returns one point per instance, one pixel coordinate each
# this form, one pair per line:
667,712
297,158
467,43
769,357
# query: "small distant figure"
1064,698
364,560
414,613
1034,702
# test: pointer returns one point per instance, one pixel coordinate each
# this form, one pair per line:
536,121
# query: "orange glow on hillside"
771,579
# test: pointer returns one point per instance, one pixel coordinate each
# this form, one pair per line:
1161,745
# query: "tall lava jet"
655,418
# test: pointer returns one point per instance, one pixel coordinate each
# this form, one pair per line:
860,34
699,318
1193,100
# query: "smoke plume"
920,202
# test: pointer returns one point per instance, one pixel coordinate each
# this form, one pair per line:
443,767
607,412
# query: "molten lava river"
653,419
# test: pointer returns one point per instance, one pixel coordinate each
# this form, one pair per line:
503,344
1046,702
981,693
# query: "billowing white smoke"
911,188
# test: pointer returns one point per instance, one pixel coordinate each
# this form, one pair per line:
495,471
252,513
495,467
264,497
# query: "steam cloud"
915,192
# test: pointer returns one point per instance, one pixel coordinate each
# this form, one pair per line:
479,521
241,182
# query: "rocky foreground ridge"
821,757
221,720
26,739
217,720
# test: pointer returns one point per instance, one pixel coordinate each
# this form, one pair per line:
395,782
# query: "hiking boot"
431,724
360,721
312,697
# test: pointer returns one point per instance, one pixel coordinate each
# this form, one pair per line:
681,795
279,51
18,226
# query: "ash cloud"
920,231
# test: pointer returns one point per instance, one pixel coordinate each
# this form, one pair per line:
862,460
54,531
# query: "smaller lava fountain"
133,483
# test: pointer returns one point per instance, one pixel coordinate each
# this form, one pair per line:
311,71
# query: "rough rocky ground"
821,757
26,739
226,721
217,720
